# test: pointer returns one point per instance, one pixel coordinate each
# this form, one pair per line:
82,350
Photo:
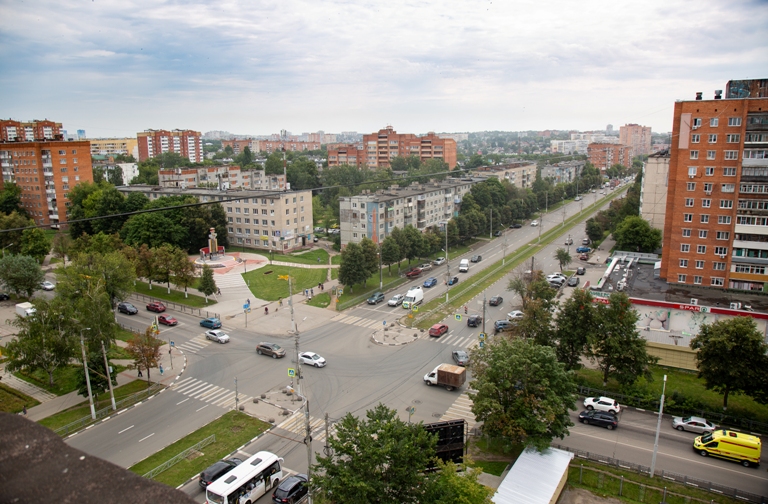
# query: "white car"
602,404
693,424
312,359
439,261
396,300
534,223
555,276
515,315
47,285
217,335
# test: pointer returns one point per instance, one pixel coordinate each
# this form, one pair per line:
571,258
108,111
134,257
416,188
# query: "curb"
377,342
183,368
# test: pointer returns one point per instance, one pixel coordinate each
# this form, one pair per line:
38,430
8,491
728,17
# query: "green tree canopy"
20,274
353,269
563,257
10,200
635,234
577,325
35,243
207,284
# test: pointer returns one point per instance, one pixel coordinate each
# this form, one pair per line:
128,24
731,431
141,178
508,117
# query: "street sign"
173,343
482,336
481,344
291,372
457,316
415,309
384,322
340,291
246,306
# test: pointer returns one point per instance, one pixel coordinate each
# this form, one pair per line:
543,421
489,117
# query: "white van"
413,297
464,266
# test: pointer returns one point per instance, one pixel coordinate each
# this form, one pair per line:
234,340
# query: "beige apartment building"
114,146
653,192
221,177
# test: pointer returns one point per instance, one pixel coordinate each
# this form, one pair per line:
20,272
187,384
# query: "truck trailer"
447,375
25,309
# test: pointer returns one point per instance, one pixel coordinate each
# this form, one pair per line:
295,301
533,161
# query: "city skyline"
117,68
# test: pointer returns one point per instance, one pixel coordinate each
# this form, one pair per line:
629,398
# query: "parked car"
438,330
573,281
495,301
430,282
272,349
47,286
425,266
439,261
556,284
497,234
583,250
217,335
396,300
211,323
166,319
503,326
602,404
291,489
577,198
601,418
127,308
534,223
585,241
693,424
217,470
156,306
453,281
4,296
413,273
569,241
474,321
376,298
516,226
580,270
312,359
556,276
476,258
460,357
315,239
584,257
515,315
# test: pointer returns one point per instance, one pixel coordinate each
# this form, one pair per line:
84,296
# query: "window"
711,155
699,264
723,235
702,233
709,171
685,247
718,281
686,233
731,154
239,220
688,217
694,155
683,263
713,122
734,121
723,219
696,122
721,251
695,138
727,187
705,218
733,138
729,172
726,203
718,266
691,171
712,138
689,202
681,278
701,249
691,186
706,203
697,280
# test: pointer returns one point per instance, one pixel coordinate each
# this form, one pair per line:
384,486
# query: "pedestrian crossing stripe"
296,424
461,409
209,393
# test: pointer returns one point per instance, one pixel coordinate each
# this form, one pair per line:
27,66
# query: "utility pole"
658,426
483,312
563,211
381,275
504,250
87,377
237,399
308,427
447,263
490,234
109,377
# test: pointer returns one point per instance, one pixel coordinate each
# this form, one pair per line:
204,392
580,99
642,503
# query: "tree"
531,285
536,323
353,266
183,271
563,257
390,252
635,234
62,244
594,230
453,484
97,374
207,284
45,341
379,459
577,325
523,392
10,200
35,243
616,346
144,349
371,255
21,274
10,241
731,357
113,270
163,258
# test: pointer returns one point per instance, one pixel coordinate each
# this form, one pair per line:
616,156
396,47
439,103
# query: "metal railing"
667,475
181,456
720,418
105,412
176,306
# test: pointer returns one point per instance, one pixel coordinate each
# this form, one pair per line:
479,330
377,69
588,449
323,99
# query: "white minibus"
247,482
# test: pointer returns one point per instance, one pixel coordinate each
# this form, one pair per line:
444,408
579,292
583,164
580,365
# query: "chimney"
698,95
718,94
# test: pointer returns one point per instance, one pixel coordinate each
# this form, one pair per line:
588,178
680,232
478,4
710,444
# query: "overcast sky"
117,67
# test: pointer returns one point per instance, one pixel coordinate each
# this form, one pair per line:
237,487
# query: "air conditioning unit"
694,301
691,176
722,257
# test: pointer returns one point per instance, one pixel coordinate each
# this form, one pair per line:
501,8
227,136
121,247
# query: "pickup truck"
447,375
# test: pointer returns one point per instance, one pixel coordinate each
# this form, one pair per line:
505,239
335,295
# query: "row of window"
704,219
702,249
703,233
707,203
727,188
711,154
714,122
712,138
697,280
717,266
264,222
709,171
749,268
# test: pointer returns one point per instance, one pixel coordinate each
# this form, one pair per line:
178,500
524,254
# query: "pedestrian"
24,410
318,260
266,310
280,302
140,375
161,370
306,292
248,301
218,291
320,286
311,292
465,309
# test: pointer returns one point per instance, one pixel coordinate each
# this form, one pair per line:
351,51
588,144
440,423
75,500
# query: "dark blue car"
430,282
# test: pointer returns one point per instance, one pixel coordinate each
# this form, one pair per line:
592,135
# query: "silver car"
217,335
396,300
312,359
693,424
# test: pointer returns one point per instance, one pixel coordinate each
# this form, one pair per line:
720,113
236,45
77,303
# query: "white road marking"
128,428
142,439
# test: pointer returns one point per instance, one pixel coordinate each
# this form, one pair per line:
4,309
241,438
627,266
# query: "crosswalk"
447,339
358,321
208,393
195,344
461,408
296,424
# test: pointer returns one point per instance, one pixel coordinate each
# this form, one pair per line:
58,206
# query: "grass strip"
160,291
232,430
13,401
265,284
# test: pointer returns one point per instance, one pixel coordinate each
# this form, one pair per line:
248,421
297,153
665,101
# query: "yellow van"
730,445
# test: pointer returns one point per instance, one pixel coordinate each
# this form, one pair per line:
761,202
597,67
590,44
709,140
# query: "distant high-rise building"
16,131
115,146
186,143
636,136
81,135
609,129
605,155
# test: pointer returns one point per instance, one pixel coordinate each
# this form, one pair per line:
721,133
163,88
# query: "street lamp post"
658,426
109,377
87,377
9,245
381,275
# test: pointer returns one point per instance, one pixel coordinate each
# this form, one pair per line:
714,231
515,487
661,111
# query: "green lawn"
160,291
491,466
321,300
264,282
232,430
123,334
64,379
309,257
83,409
13,401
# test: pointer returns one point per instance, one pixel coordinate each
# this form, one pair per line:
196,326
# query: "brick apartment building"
716,227
636,136
379,148
605,155
186,143
34,156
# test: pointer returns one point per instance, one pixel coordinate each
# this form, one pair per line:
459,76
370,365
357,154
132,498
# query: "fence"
126,401
720,418
176,306
181,456
663,475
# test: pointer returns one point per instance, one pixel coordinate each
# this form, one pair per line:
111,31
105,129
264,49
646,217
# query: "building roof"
534,478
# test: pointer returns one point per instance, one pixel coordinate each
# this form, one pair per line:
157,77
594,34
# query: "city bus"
248,481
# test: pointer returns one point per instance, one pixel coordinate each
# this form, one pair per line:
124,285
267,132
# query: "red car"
413,273
584,257
167,320
156,306
438,330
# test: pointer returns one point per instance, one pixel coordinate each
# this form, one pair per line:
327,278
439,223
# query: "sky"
118,67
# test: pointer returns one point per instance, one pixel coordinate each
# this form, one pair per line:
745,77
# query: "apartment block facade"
653,192
186,143
45,170
375,215
379,148
636,136
521,174
220,177
18,131
605,155
269,146
261,220
115,146
716,228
